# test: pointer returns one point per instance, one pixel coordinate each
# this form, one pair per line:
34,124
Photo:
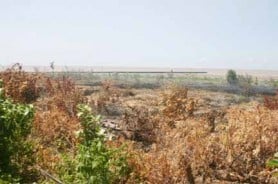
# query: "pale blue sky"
141,33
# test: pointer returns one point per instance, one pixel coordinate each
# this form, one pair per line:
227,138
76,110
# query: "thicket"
15,148
244,82
53,128
94,161
192,149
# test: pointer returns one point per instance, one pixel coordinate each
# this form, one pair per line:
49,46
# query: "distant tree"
52,65
231,77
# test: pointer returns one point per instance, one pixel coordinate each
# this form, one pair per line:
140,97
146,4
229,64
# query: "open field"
210,72
186,128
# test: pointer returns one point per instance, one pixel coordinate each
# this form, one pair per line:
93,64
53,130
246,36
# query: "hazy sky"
149,33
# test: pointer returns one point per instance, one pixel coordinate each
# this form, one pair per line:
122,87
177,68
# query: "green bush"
94,161
15,149
232,77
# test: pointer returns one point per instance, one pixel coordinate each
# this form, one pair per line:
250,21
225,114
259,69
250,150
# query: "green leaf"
273,163
95,164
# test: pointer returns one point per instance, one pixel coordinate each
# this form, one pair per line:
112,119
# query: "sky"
238,34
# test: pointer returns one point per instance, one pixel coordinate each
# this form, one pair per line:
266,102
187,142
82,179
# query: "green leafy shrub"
273,163
94,162
231,77
15,148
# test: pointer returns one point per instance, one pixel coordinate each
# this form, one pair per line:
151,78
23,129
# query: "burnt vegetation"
167,137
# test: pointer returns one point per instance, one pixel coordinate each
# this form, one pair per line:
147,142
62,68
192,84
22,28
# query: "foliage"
235,151
187,142
177,105
15,148
272,82
273,163
231,77
271,102
90,126
109,94
55,118
245,82
94,161
19,85
138,123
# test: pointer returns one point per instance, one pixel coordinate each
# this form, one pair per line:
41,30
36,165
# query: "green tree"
231,77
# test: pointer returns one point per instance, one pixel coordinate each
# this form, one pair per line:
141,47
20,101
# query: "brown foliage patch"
177,104
19,85
140,122
108,95
235,152
271,102
47,158
56,129
55,118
